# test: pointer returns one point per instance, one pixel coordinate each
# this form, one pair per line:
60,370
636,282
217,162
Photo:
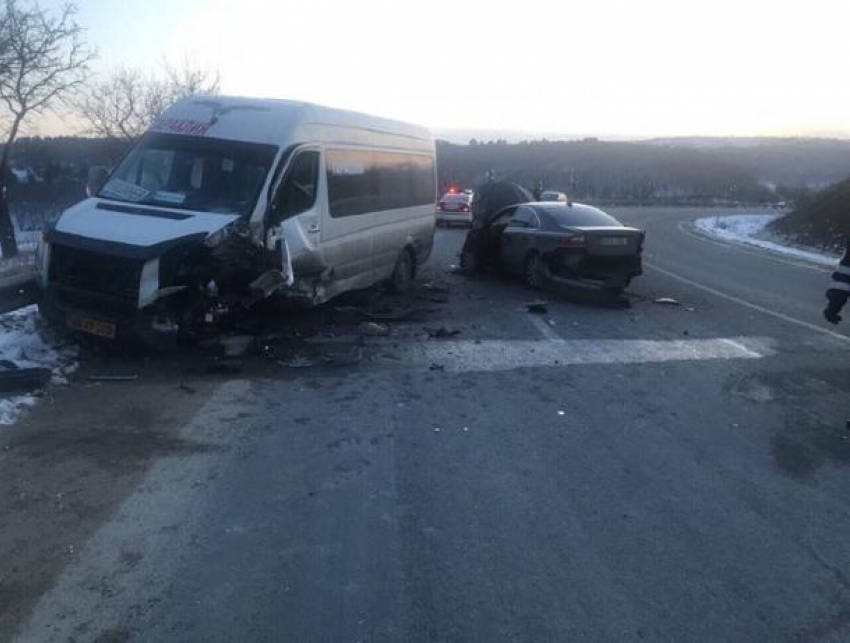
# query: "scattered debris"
666,301
561,412
551,322
405,314
437,367
537,307
465,429
236,345
436,429
435,287
225,366
437,299
397,314
186,388
113,378
298,361
442,332
352,356
23,379
268,283
373,329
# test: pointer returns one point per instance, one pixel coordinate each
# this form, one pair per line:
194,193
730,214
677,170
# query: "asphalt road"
659,473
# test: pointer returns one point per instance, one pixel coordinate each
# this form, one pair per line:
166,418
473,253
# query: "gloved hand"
831,315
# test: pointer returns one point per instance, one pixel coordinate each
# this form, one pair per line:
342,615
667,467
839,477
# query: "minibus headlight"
149,283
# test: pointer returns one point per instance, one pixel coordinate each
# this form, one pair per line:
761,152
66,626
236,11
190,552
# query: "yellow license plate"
92,326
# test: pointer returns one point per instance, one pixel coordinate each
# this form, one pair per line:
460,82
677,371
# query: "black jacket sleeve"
839,287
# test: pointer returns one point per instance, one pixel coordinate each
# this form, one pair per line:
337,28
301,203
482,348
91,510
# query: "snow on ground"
27,241
750,229
26,341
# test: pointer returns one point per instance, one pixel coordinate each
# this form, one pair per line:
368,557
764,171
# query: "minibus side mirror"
98,175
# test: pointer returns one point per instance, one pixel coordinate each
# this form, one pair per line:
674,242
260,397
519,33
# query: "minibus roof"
285,122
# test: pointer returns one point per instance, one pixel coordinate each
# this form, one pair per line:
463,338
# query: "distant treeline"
769,170
702,171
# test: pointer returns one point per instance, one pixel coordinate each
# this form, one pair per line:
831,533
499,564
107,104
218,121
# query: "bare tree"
126,103
46,60
190,79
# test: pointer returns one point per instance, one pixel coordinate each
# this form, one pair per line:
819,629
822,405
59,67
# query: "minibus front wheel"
403,272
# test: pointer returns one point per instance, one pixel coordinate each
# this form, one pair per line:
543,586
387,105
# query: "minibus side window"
297,193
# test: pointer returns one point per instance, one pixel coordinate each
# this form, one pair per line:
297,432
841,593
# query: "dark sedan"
566,242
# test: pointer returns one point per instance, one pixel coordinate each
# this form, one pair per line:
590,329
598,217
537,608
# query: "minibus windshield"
192,173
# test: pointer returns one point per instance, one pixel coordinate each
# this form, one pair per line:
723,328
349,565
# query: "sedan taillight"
573,240
464,208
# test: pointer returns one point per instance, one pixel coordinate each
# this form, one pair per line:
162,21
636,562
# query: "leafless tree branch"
43,60
126,102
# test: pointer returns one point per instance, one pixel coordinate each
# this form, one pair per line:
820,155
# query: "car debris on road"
442,332
15,379
113,378
666,301
373,329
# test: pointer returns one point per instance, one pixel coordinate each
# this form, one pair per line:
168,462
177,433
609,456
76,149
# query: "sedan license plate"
92,326
614,241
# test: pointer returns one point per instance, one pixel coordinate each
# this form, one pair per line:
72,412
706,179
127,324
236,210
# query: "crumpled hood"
122,228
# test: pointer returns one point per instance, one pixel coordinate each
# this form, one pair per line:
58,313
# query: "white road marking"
545,329
741,347
503,355
748,304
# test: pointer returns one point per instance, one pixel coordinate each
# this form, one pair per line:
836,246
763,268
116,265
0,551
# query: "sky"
608,68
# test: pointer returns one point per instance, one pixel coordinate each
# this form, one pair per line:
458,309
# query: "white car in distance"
455,207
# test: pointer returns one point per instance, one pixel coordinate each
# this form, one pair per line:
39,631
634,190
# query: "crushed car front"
151,246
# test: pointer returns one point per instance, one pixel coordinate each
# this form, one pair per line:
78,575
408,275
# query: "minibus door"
295,194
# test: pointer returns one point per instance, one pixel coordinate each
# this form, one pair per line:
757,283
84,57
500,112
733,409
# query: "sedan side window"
524,218
297,193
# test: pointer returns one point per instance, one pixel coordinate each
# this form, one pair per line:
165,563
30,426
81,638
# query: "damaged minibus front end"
226,202
168,243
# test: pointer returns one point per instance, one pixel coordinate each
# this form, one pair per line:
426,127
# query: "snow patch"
27,342
750,229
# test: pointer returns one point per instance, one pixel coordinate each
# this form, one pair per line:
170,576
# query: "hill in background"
669,171
821,220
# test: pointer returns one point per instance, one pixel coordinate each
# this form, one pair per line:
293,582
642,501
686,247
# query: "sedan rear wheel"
531,271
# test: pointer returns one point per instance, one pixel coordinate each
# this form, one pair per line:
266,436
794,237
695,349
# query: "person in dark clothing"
839,288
